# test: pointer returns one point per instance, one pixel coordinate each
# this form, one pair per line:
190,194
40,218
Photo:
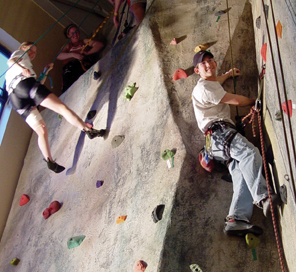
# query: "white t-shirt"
206,97
14,74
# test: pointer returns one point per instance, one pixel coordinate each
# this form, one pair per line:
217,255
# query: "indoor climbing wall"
139,192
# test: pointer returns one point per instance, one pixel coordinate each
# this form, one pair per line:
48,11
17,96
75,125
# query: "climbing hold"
15,261
46,213
168,154
174,41
205,161
75,241
24,200
117,140
279,29
130,91
60,116
220,13
278,115
97,75
121,219
266,9
99,183
283,193
180,73
91,114
264,51
157,213
284,107
202,47
195,268
258,22
53,208
140,266
252,242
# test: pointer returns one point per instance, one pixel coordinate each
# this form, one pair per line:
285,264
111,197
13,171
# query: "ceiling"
89,14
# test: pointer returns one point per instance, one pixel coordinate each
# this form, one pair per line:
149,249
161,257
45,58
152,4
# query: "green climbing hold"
168,154
130,91
75,241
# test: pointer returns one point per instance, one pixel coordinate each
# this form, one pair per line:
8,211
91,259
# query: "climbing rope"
255,111
231,55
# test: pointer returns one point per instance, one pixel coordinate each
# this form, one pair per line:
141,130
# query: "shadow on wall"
114,75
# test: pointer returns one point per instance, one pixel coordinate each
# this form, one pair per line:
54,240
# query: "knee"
41,130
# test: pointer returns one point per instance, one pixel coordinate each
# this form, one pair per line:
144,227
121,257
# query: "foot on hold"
53,166
266,204
241,228
95,133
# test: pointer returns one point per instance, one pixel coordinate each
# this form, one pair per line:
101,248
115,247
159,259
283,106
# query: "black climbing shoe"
241,228
53,166
95,133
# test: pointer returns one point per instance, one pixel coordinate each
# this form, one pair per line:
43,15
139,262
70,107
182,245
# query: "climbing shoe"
241,228
266,204
95,133
53,166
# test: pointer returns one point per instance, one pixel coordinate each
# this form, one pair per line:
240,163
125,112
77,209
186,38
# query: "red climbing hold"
180,73
263,51
24,200
53,208
284,107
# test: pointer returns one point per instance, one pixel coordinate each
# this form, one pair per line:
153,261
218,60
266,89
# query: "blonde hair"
25,44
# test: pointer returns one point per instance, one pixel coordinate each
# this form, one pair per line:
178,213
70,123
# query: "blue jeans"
249,186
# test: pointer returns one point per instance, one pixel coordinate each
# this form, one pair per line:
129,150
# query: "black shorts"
28,94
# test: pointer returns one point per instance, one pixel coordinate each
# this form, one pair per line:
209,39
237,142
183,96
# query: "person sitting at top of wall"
76,61
137,8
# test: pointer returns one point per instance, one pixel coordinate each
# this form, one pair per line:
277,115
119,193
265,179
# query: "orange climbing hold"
264,51
279,29
284,107
180,73
121,219
24,200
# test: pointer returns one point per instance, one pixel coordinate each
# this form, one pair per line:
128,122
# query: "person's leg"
138,10
36,122
250,165
241,207
53,103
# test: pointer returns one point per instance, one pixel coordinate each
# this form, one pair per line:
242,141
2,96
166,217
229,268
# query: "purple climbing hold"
99,183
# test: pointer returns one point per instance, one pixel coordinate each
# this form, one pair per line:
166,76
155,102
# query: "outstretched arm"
117,4
221,79
237,100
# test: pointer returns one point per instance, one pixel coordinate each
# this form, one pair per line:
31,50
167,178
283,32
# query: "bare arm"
95,47
117,4
237,100
221,79
65,55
